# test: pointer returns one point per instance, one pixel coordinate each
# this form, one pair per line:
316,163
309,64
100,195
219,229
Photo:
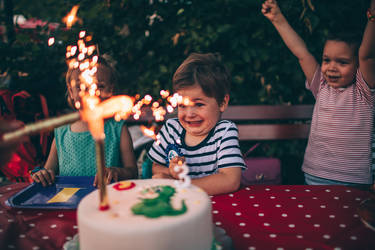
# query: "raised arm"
292,40
366,52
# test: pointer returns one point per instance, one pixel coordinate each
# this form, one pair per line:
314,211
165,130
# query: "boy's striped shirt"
220,149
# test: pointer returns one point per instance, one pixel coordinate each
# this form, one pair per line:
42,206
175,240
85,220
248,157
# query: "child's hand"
161,176
111,173
44,176
271,10
173,163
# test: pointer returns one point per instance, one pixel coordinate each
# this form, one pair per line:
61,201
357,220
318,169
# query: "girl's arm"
366,52
292,40
129,170
227,180
47,175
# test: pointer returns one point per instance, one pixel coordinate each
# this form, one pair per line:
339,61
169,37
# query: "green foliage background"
263,69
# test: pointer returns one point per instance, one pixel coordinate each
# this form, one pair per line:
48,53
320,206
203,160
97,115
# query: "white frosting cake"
119,228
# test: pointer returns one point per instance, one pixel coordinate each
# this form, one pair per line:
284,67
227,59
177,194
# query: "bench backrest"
259,122
270,122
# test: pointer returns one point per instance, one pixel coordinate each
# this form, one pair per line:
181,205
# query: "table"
255,217
294,217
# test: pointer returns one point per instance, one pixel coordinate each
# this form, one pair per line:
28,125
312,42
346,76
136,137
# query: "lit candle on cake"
184,179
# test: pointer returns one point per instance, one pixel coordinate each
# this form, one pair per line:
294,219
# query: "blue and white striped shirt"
220,149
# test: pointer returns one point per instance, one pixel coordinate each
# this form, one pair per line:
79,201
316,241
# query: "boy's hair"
350,37
106,66
208,71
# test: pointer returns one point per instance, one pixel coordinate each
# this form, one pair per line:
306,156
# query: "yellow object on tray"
64,195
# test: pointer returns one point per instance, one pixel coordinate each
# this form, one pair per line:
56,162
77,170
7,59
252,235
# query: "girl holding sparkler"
339,145
73,148
208,145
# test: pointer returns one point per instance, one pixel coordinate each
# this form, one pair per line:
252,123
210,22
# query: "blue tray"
37,196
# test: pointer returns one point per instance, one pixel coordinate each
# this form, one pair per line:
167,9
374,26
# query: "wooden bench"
258,122
266,123
270,122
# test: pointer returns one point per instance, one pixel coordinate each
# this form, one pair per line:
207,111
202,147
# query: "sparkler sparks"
71,17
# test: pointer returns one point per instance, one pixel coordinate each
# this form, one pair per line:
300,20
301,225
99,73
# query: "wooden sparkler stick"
100,164
44,125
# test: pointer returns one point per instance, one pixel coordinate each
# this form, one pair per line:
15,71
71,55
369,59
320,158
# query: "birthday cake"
146,214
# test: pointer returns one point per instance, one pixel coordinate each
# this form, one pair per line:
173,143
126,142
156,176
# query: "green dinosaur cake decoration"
160,205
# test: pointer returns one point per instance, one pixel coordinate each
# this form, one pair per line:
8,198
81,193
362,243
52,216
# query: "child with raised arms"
339,145
208,145
72,151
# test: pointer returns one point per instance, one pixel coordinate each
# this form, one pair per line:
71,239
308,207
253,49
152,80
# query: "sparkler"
92,111
71,17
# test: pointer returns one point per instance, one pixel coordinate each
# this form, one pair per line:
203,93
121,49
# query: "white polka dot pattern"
256,217
316,215
33,229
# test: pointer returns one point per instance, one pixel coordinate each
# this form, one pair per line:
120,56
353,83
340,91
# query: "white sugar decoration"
184,180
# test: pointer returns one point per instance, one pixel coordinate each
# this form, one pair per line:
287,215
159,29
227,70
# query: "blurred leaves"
147,52
148,39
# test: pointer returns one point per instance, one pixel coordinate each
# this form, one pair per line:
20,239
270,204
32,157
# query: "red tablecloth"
256,217
293,217
33,228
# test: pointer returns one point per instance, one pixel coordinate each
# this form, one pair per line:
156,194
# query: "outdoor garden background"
148,39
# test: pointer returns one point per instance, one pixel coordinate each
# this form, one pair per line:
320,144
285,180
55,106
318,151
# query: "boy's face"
199,118
339,64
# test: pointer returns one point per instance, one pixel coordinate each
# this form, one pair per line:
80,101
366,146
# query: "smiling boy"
209,145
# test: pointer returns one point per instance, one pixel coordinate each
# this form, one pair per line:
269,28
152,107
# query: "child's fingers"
52,175
35,178
109,177
46,176
265,8
95,180
40,179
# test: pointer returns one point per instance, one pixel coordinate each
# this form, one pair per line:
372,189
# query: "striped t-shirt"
220,149
339,146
